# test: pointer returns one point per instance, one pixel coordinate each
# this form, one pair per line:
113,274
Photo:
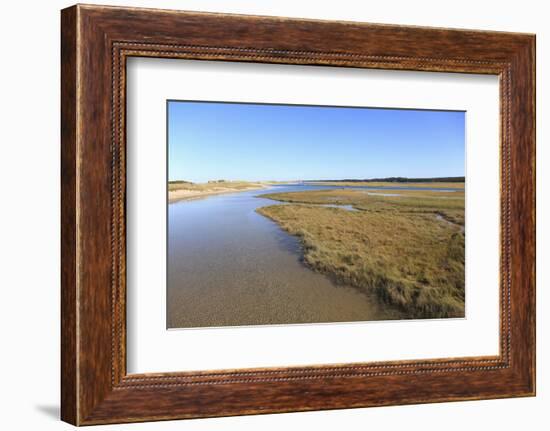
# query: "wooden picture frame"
95,43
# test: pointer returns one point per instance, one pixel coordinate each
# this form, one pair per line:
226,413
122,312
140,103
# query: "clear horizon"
260,142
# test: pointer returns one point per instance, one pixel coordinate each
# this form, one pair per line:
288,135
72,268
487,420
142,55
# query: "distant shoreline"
183,190
403,180
190,194
356,183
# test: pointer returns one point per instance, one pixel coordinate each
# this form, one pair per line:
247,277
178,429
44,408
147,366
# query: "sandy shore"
188,194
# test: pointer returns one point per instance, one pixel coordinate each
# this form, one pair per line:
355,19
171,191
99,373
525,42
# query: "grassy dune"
408,249
181,190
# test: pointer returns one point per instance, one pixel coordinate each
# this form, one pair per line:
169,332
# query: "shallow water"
343,207
228,265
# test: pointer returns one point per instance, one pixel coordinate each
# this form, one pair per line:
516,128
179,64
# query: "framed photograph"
264,215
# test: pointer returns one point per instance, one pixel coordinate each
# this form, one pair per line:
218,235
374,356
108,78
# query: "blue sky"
210,140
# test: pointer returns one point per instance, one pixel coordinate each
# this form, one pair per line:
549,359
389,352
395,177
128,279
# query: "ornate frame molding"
96,41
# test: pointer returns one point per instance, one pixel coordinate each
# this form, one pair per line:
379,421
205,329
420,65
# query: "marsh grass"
430,185
396,247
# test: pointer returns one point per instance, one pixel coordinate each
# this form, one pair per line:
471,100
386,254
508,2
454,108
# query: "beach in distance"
182,190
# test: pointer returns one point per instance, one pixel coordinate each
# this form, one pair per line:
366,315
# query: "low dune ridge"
186,190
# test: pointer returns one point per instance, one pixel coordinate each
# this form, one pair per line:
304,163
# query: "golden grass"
434,185
396,247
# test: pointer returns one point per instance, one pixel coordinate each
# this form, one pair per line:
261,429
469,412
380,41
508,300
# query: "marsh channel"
230,266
